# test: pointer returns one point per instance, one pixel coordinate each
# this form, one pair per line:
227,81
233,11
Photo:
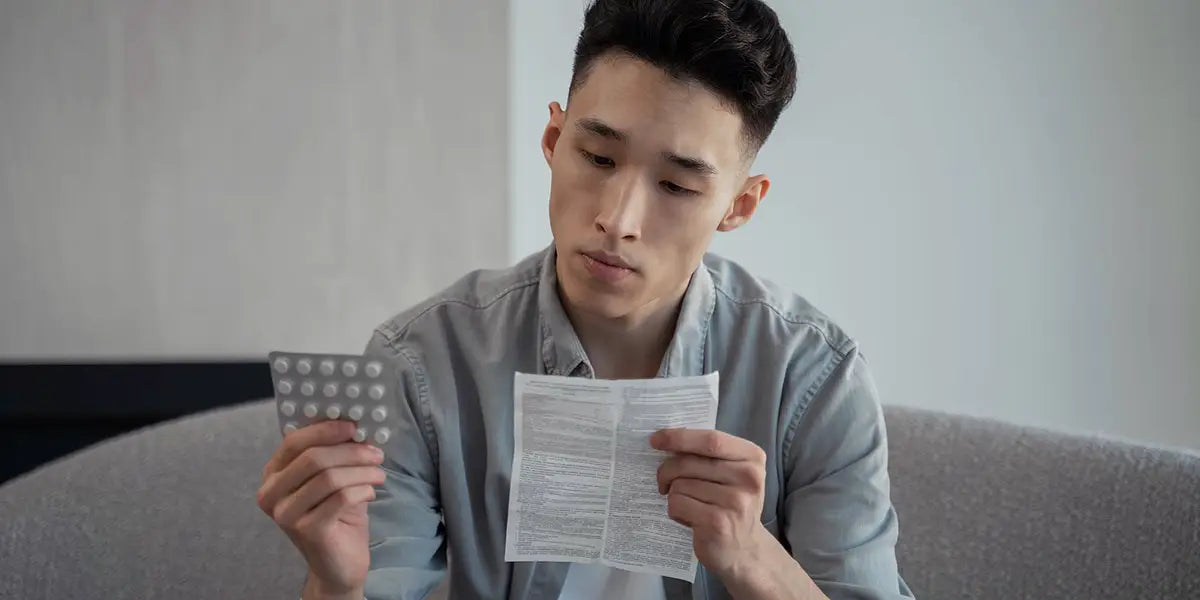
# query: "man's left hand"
714,485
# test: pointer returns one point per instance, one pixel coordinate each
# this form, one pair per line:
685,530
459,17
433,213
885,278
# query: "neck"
628,347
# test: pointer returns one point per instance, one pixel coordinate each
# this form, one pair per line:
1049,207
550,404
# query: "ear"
554,128
743,207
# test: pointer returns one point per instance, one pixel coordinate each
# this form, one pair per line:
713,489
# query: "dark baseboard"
49,410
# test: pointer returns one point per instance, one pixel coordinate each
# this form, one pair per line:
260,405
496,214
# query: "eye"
677,190
597,160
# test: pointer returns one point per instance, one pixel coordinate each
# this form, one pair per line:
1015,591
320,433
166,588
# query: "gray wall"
219,178
1000,199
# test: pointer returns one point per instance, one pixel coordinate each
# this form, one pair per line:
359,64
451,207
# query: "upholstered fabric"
987,511
167,512
991,511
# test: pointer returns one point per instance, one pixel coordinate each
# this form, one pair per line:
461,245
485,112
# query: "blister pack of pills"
310,388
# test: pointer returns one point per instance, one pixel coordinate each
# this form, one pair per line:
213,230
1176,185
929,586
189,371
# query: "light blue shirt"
791,382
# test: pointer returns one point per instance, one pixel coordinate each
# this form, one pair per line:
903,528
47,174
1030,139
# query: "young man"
789,497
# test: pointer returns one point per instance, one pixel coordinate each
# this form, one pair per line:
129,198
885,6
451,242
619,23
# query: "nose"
622,210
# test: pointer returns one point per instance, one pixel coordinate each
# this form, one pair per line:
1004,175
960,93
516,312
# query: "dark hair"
736,48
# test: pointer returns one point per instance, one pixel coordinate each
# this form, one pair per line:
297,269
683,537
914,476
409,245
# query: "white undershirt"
592,582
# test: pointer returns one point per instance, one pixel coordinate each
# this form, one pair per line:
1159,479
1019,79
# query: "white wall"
1001,200
220,178
541,50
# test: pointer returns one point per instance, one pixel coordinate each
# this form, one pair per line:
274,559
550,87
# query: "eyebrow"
690,163
600,128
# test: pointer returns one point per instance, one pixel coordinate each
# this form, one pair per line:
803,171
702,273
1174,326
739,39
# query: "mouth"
607,268
609,260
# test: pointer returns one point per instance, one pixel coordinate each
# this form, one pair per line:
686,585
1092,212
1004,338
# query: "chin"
606,304
601,301
608,308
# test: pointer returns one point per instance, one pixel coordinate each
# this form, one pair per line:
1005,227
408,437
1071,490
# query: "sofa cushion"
165,512
993,511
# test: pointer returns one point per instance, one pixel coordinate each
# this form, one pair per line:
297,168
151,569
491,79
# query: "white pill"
327,367
333,411
373,369
353,390
376,392
290,427
379,414
284,387
287,407
330,389
355,413
310,409
304,366
281,365
381,435
307,388
349,368
360,434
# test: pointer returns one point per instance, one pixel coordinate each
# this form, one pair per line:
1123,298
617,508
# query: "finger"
310,462
721,496
329,508
325,433
707,442
686,510
698,467
316,490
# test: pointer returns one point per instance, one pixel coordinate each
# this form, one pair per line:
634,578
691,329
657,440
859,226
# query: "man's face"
644,169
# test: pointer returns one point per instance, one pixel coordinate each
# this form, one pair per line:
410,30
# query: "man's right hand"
316,487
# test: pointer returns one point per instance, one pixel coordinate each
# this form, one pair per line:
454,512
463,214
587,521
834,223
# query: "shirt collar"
563,353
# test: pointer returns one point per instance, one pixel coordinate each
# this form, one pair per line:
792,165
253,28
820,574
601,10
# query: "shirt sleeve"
407,537
838,518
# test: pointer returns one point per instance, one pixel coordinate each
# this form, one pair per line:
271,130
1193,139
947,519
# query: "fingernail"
377,451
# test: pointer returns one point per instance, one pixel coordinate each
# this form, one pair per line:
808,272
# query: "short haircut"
735,48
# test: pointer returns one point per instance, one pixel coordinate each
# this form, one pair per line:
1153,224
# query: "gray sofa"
987,511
